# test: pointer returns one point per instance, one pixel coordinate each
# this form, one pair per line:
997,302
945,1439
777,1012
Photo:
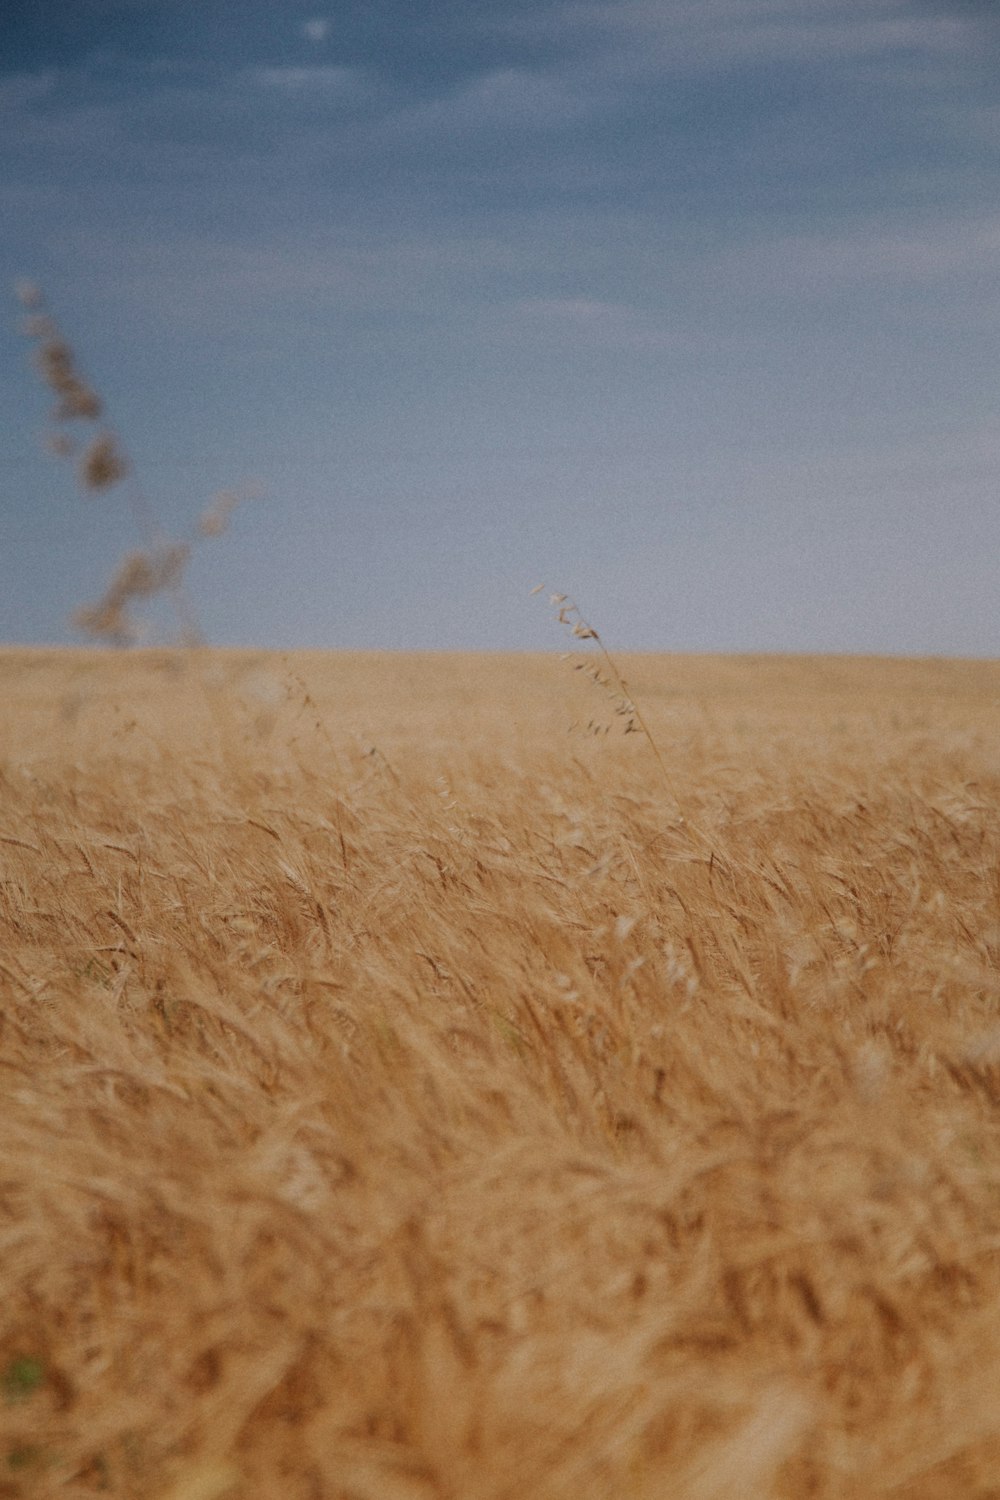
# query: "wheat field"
409,1093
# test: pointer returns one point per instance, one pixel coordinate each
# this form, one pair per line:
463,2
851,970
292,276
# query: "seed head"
54,361
102,464
140,575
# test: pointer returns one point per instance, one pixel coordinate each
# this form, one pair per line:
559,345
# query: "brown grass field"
409,1095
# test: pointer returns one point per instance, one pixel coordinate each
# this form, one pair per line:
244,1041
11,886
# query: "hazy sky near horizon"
690,308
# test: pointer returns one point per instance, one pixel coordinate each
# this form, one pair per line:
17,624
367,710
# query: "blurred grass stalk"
102,464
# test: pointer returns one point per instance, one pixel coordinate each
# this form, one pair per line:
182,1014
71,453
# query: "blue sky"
690,308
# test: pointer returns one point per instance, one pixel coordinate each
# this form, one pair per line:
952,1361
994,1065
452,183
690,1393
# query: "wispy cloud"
212,283
713,35
317,79
515,100
21,90
316,30
598,324
824,264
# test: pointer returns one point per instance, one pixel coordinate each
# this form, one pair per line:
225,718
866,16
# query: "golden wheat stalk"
608,677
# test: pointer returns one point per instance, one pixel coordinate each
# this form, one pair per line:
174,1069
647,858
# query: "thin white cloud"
585,312
508,97
58,131
317,30
823,264
211,283
600,324
707,35
19,91
211,280
320,79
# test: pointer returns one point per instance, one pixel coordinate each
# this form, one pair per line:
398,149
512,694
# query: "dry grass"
400,1102
102,465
